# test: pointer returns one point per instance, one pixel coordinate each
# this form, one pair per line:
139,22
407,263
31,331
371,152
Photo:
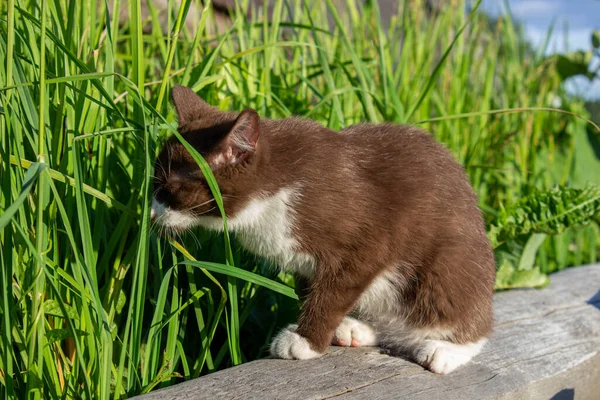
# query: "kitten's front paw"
444,357
352,332
290,345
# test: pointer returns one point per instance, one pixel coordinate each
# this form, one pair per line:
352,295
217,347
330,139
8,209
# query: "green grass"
95,305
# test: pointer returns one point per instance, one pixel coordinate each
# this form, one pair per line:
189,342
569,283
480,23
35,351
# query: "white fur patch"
443,357
264,227
290,345
432,347
171,218
352,332
381,297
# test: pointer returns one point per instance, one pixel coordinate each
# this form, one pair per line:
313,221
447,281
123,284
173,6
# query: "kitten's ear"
244,133
241,141
188,104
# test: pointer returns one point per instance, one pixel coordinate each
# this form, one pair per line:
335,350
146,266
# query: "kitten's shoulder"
386,128
292,125
391,135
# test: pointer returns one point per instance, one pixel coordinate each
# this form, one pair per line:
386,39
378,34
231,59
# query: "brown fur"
374,198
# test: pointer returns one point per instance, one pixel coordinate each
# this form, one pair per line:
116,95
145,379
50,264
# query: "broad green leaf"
56,335
508,277
573,64
51,307
529,252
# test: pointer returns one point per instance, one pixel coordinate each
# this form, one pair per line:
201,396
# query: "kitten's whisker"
199,205
208,201
157,178
207,211
190,231
169,156
155,227
159,219
160,164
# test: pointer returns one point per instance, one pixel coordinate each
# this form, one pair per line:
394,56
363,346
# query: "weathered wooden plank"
546,343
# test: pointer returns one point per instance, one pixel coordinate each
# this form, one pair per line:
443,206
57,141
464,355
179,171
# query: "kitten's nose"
152,214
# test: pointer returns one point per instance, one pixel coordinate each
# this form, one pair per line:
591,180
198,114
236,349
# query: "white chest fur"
265,228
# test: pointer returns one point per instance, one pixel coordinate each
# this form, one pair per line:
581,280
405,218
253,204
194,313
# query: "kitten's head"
227,141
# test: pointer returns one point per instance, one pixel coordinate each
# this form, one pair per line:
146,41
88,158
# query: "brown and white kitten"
379,219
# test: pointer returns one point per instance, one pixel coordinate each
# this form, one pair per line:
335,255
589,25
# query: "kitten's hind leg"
443,357
355,333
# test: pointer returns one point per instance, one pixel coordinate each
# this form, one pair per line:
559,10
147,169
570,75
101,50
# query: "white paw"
444,357
352,332
290,345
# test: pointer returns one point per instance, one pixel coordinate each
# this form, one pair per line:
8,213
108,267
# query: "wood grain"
546,343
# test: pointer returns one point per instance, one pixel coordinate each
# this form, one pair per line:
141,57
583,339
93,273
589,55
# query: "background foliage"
95,305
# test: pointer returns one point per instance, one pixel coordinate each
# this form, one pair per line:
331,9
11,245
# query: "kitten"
379,219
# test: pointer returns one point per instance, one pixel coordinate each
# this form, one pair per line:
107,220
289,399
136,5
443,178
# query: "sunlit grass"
94,304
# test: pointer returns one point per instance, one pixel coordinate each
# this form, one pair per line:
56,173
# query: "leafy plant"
550,212
580,62
520,230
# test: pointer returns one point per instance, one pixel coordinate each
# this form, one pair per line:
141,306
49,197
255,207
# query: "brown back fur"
373,198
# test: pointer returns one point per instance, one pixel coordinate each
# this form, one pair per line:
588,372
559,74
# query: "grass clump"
95,305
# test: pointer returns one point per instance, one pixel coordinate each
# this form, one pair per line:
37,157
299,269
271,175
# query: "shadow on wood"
565,394
595,301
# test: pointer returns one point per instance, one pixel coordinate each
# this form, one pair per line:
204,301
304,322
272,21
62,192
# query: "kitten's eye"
182,175
164,194
191,172
195,174
159,193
